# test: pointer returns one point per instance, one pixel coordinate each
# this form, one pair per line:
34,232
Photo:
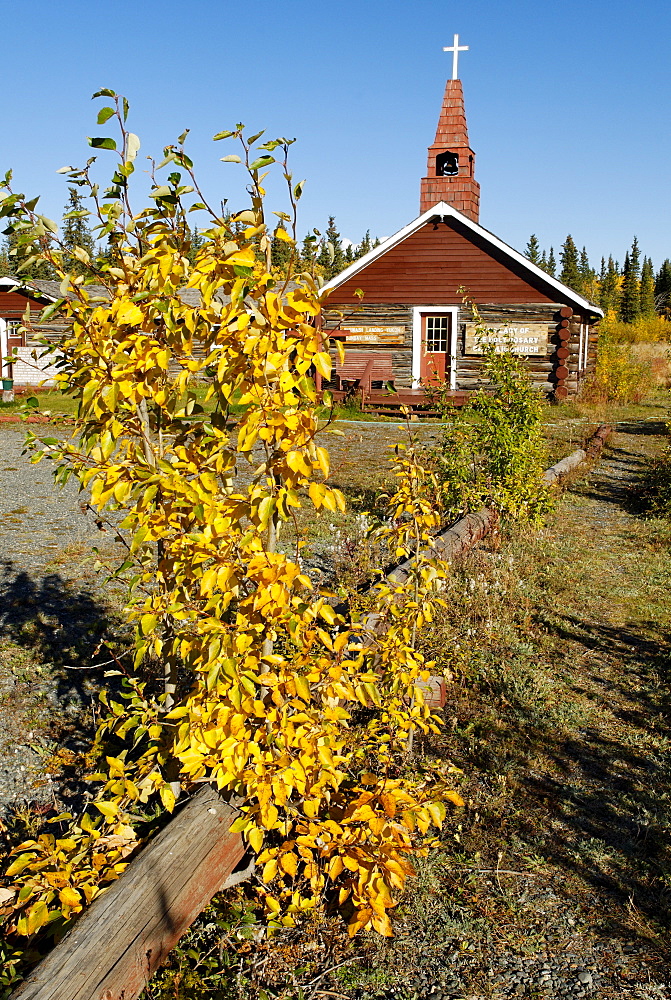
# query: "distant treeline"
629,292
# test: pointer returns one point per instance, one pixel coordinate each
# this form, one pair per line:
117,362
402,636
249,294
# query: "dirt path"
566,743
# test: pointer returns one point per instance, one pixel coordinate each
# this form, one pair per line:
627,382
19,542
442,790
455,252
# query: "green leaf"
104,115
263,161
163,191
182,138
105,92
64,170
298,190
48,224
101,143
222,135
252,139
231,159
126,108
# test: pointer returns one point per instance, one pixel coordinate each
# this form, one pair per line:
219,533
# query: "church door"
436,340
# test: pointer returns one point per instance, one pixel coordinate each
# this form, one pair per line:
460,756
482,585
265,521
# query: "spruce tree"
552,263
533,250
630,297
76,233
280,252
647,290
570,267
4,259
196,241
663,289
18,256
309,251
543,262
587,275
364,246
331,257
609,291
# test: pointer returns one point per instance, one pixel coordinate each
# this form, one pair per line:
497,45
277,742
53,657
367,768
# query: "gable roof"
443,210
39,288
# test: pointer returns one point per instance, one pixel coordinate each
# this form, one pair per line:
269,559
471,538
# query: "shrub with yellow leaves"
261,675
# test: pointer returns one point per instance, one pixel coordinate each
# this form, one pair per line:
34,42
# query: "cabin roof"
442,210
50,291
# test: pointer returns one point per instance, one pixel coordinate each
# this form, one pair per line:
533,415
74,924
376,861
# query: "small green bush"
492,452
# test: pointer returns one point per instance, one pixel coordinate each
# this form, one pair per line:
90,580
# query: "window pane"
437,328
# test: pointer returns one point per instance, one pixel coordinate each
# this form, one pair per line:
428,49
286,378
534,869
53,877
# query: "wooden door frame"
3,349
417,313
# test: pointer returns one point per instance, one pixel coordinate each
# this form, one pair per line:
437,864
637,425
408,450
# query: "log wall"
542,368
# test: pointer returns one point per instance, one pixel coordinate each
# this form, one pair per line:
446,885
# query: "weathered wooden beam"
127,933
555,472
591,450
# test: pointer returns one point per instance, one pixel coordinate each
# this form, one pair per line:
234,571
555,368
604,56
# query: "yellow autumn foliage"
262,677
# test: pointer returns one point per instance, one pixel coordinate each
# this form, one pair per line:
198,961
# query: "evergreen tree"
609,291
647,290
349,255
18,255
196,241
76,233
331,257
533,250
570,267
663,289
280,252
4,259
552,263
364,246
309,251
630,297
543,262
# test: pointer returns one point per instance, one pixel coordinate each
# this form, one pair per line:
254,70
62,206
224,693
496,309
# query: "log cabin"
406,306
16,296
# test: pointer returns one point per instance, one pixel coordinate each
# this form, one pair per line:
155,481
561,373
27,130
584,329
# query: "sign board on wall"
372,334
532,338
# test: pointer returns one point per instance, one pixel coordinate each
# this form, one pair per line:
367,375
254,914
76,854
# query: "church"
404,309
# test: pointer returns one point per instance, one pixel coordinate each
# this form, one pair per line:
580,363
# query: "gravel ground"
548,943
53,612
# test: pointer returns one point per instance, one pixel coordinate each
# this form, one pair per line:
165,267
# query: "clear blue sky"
567,103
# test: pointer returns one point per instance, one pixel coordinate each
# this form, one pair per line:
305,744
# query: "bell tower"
450,174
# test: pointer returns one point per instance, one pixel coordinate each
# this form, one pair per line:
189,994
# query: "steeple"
450,174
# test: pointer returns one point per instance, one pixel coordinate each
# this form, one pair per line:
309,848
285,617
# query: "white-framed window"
437,333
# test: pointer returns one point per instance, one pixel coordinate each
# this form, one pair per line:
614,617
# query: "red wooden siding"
13,305
428,268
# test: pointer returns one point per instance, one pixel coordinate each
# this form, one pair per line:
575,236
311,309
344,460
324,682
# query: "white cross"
455,49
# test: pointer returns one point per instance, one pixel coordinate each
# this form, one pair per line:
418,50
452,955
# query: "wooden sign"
373,334
532,338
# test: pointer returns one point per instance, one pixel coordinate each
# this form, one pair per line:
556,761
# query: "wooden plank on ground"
127,933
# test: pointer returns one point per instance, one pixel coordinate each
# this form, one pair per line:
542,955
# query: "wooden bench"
361,368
